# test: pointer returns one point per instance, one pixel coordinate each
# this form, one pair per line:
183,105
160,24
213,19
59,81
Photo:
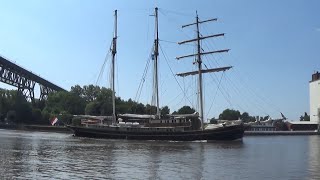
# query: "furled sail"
205,71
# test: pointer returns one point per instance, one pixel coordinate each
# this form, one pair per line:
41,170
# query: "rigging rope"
258,105
215,95
165,57
103,65
143,79
251,91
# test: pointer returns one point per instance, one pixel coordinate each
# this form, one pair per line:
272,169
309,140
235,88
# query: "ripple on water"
39,155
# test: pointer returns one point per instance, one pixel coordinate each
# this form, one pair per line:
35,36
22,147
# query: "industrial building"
314,87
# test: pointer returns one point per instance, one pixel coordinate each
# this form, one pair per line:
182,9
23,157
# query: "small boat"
182,127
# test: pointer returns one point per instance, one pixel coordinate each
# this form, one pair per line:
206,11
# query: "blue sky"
274,46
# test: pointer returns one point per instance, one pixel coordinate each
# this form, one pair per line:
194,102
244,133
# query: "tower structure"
314,86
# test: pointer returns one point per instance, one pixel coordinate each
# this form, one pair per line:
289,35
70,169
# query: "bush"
76,121
36,116
213,121
45,118
12,116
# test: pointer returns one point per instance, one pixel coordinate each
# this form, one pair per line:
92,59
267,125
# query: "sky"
274,46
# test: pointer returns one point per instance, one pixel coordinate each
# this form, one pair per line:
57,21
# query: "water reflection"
34,155
314,157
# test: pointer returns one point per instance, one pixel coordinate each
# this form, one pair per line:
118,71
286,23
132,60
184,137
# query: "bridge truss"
25,81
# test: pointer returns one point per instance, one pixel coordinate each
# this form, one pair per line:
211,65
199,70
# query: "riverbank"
60,129
280,133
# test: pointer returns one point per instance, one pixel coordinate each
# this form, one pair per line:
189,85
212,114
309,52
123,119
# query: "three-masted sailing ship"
184,127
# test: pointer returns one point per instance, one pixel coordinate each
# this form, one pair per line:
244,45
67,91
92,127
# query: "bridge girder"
25,80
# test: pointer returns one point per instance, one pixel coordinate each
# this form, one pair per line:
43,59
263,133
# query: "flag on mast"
54,121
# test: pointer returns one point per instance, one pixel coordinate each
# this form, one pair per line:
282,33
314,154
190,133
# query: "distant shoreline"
58,129
280,133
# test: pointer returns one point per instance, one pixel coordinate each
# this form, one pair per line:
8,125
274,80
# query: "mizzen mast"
198,61
114,52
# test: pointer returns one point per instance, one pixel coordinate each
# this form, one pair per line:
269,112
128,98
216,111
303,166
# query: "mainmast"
198,61
156,55
199,73
114,52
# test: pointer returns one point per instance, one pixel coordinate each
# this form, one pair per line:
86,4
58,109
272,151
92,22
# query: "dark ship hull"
227,133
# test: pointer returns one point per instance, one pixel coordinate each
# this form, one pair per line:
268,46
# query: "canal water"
40,155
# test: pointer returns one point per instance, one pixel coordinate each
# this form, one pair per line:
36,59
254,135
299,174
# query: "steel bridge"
25,81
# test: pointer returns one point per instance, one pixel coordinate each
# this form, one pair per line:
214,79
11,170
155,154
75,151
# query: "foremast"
156,56
114,52
198,61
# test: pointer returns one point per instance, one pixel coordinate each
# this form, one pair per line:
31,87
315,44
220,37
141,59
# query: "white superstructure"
315,97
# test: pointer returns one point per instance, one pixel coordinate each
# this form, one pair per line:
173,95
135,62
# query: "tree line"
88,100
231,114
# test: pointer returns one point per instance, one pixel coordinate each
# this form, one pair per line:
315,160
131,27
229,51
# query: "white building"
315,98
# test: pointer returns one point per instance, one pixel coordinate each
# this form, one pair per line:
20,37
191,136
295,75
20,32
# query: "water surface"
40,155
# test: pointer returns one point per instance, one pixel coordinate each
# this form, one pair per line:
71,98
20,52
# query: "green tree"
77,90
305,117
186,110
213,121
230,114
46,117
91,92
140,109
65,101
12,116
14,101
151,109
106,108
165,111
39,104
245,117
36,116
93,108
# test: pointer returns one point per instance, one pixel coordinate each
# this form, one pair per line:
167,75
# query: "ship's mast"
199,61
114,52
199,54
156,55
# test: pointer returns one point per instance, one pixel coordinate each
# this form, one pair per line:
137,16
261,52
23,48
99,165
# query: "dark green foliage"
93,108
46,116
2,116
230,114
13,101
65,101
245,117
305,117
213,121
139,108
151,109
90,100
165,111
39,104
186,110
12,116
76,121
36,116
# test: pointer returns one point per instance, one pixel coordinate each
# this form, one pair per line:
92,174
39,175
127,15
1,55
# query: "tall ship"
178,127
